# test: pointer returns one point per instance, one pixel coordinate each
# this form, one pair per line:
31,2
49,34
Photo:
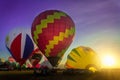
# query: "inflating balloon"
53,32
20,45
82,58
35,57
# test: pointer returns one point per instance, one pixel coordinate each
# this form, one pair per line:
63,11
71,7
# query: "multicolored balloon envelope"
83,58
53,32
35,57
20,45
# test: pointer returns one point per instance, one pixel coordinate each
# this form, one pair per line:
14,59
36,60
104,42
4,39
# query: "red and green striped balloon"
53,32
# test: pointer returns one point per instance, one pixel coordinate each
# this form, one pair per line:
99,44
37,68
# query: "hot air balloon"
20,45
11,59
53,32
35,57
83,58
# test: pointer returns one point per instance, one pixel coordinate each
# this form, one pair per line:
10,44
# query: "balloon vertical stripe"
70,58
27,49
75,51
15,47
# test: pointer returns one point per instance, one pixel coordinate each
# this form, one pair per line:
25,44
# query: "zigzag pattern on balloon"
62,52
50,19
56,39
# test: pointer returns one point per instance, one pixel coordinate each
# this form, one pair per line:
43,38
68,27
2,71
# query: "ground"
105,74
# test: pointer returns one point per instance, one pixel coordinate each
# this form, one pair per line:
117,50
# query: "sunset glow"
108,61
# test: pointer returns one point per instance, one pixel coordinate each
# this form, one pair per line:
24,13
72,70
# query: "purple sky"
97,21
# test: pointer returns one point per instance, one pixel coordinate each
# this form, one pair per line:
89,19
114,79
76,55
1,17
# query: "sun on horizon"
108,61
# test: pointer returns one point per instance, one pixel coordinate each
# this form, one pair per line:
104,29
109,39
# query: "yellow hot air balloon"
83,58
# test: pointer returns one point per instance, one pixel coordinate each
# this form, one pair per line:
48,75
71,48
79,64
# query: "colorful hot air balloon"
83,58
35,57
20,45
11,59
53,32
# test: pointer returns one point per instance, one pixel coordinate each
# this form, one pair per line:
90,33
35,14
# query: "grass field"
106,74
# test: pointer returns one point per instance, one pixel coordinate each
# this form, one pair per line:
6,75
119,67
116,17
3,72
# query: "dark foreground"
106,74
